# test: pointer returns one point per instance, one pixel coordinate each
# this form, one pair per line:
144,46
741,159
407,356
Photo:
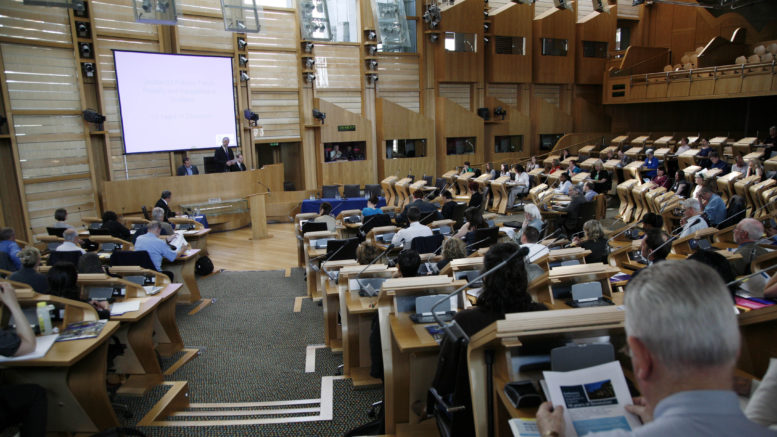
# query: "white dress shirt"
69,246
564,188
695,223
405,236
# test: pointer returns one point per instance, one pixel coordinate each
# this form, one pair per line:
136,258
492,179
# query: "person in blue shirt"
651,164
715,162
573,168
715,207
156,247
589,192
9,246
372,207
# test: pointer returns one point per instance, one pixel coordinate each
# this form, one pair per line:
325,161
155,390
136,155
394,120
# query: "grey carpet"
253,350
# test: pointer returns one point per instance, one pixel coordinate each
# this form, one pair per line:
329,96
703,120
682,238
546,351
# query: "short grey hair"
158,213
692,204
683,314
70,235
154,225
532,211
753,227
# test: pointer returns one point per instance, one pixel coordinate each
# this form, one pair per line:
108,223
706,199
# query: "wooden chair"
402,188
388,190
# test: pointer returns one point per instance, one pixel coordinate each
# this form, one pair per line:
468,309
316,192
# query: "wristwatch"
550,433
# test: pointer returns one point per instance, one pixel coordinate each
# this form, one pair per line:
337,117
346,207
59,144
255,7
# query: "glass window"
622,38
510,45
508,143
594,49
460,42
554,46
345,151
328,20
394,29
414,148
547,141
460,146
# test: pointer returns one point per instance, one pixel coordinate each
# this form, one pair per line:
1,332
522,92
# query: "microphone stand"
359,275
328,257
265,186
674,237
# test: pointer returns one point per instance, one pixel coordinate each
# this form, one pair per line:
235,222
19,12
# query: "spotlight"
244,76
242,60
500,112
484,113
432,16
307,47
372,78
309,77
95,117
251,116
371,35
485,27
372,50
82,29
486,40
434,37
241,43
309,63
79,8
372,64
241,25
561,4
637,2
162,6
85,49
318,115
88,69
598,5
485,14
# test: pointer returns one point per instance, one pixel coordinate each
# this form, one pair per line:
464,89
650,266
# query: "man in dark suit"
429,212
163,203
238,165
224,156
187,169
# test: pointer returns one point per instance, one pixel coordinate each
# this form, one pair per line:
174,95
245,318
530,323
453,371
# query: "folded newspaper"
593,398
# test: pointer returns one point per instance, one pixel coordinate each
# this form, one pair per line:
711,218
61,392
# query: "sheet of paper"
593,399
120,308
524,427
42,346
152,289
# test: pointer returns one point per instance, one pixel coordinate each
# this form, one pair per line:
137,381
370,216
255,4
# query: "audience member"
705,148
651,164
366,252
164,203
530,240
654,247
692,220
408,262
28,274
660,179
588,191
476,200
60,215
652,220
714,206
427,209
573,169
112,225
324,217
63,281
683,147
739,164
532,164
746,234
716,162
158,214
594,241
474,216
698,180
157,248
601,178
770,142
555,166
531,217
519,186
686,380
23,404
187,169
72,242
490,170
90,263
681,186
238,164
720,264
504,170
8,245
754,168
623,158
404,237
449,207
572,210
372,207
452,248
564,184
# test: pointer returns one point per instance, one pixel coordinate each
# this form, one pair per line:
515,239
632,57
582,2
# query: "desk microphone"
743,279
552,234
628,228
328,256
369,291
265,186
421,220
521,252
476,243
674,237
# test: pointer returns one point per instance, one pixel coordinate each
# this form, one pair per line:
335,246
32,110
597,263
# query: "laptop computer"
320,243
445,230
103,293
469,275
586,295
367,287
56,232
423,309
385,238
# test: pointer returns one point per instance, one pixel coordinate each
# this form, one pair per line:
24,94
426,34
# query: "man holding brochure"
684,341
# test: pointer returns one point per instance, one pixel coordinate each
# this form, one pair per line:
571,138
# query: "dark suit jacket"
426,208
117,230
237,167
161,204
221,158
182,170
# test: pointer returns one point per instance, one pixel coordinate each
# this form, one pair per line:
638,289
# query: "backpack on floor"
203,266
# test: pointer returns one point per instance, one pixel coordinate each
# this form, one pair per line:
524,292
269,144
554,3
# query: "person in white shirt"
683,146
532,164
692,220
405,236
529,240
71,242
564,184
521,184
324,217
739,164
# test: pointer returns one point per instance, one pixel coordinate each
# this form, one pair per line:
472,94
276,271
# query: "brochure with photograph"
593,399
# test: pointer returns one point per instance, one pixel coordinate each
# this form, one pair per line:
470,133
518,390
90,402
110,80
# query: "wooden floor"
234,250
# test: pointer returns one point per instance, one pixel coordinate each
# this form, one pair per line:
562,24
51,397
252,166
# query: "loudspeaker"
561,4
598,5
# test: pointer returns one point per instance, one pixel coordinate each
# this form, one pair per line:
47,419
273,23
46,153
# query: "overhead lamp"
524,2
92,116
307,47
309,62
561,4
82,29
309,77
486,40
372,50
318,115
372,78
88,69
434,37
244,76
251,116
241,16
371,35
241,43
500,112
432,16
147,6
486,26
372,64
85,50
242,60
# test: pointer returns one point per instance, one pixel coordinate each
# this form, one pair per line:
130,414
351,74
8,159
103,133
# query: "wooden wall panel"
273,69
348,100
505,92
548,119
111,111
542,6
515,123
347,172
460,66
511,20
198,33
560,24
116,18
585,7
278,114
337,67
452,120
398,73
599,27
627,10
34,23
104,51
458,93
406,99
76,195
397,122
205,8
135,166
549,93
40,78
276,33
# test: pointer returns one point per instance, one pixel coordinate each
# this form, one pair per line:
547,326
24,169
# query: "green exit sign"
346,128
274,144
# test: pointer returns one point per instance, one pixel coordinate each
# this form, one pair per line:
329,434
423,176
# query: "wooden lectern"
258,216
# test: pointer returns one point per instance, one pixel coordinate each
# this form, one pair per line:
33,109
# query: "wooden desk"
305,216
758,345
183,271
198,239
139,360
330,298
310,254
73,374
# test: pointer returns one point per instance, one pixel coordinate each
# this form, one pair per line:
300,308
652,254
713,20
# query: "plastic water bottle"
44,318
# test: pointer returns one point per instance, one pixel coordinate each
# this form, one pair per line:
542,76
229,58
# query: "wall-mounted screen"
174,102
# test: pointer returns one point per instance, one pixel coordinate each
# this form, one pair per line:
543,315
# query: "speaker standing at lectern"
224,156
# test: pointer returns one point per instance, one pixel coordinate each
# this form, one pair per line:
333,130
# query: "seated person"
157,214
623,158
449,207
63,282
187,169
367,252
660,179
564,184
601,178
520,186
157,248
681,186
72,242
428,209
740,166
720,264
404,237
714,206
238,165
683,146
60,215
20,404
692,220
686,380
164,203
555,166
588,191
9,246
90,263
652,220
530,240
28,274
112,225
324,217
452,248
651,164
654,247
746,234
474,217
573,169
372,207
594,241
476,199
408,262
715,162
572,210
532,217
